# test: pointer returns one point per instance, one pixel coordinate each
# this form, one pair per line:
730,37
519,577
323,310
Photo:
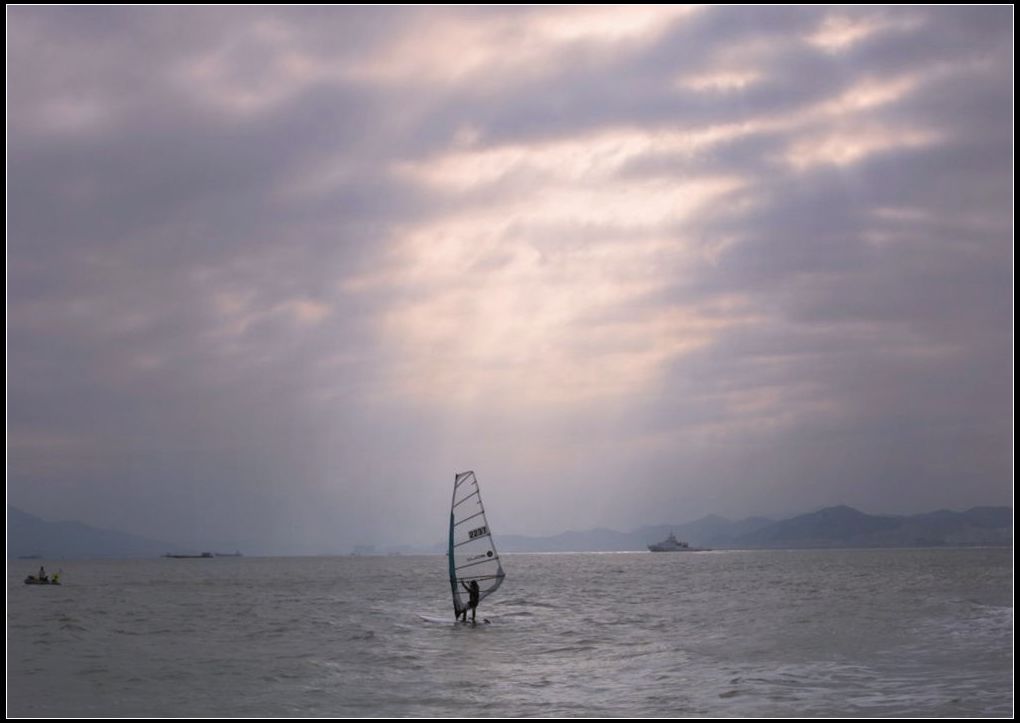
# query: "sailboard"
472,553
435,619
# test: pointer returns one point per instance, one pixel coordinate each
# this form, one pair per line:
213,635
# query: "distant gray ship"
671,544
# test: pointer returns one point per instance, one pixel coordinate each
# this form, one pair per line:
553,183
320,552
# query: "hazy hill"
846,527
839,526
28,535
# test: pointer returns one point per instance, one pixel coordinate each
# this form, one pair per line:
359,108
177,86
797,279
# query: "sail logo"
478,532
480,557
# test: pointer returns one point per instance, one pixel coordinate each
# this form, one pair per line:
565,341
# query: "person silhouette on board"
472,605
42,574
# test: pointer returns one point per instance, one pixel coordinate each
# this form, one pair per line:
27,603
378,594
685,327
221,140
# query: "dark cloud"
233,311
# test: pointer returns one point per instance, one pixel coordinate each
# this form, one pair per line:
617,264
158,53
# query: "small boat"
33,580
671,544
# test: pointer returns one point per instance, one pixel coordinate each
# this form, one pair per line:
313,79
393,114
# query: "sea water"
741,633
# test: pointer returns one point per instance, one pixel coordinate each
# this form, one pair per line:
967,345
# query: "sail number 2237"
479,532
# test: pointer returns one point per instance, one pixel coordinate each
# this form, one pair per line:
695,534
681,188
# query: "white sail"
472,553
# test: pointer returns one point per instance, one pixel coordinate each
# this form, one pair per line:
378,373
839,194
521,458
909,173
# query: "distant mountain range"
30,536
830,527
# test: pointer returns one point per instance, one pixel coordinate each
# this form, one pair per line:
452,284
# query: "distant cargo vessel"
671,544
204,555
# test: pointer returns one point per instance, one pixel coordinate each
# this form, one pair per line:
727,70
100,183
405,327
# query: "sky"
275,275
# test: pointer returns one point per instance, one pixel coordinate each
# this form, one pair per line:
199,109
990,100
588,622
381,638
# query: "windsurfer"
472,605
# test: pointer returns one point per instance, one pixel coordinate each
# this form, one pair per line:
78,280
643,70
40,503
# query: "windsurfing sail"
472,554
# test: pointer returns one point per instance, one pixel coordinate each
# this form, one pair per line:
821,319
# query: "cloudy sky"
274,275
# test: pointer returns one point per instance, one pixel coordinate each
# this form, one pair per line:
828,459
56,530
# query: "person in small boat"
472,605
42,574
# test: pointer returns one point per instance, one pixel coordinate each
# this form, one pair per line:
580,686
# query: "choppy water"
762,633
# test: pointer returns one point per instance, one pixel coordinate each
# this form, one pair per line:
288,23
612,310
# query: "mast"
457,607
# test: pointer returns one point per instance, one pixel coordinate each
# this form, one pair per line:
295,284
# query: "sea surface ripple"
862,633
